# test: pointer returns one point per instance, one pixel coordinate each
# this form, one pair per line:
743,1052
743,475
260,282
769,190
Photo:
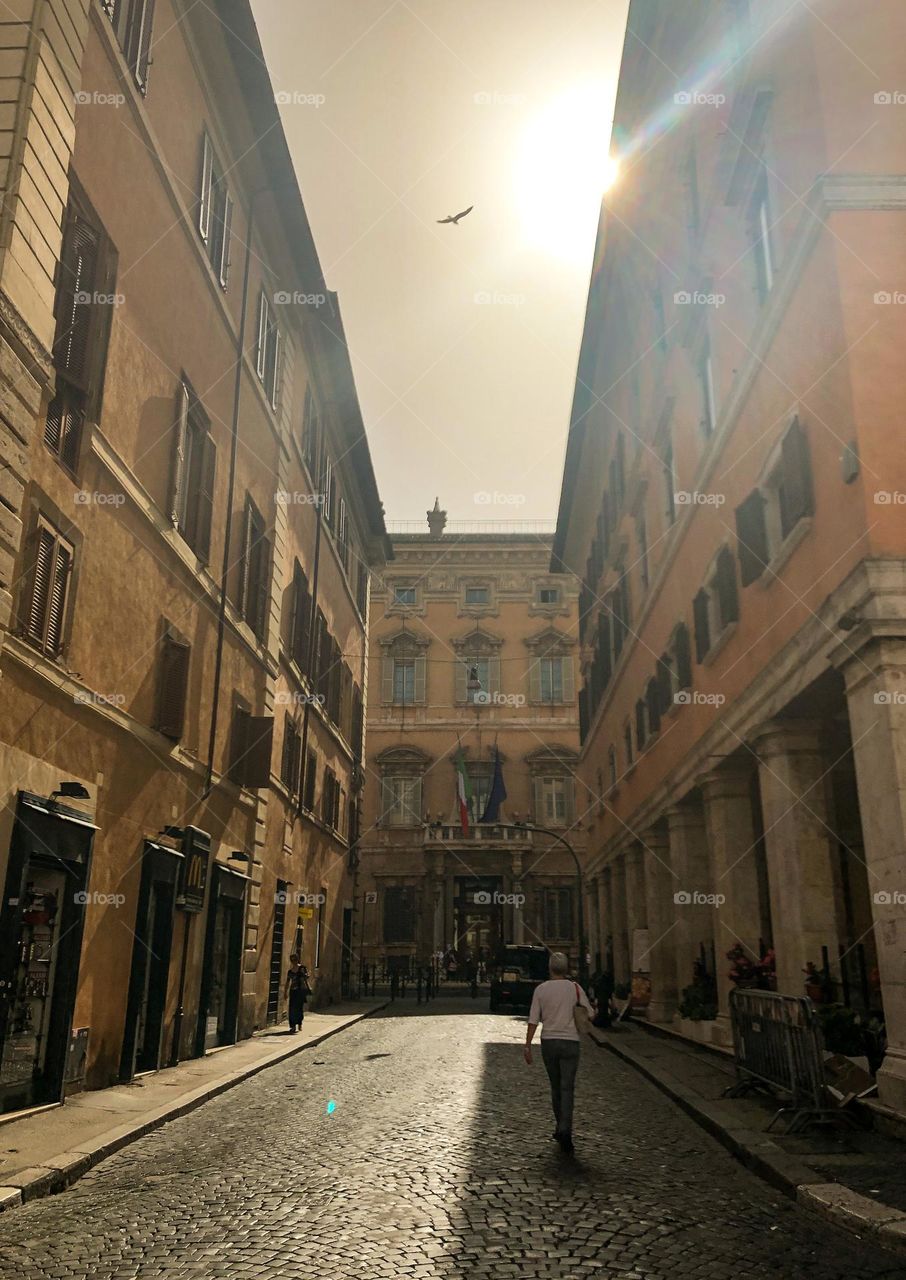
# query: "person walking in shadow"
298,991
554,1009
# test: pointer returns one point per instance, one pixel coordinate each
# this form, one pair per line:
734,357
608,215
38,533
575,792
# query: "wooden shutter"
494,675
653,705
311,774
262,584
387,678
301,618
461,672
205,192
683,654
727,593
569,800
583,713
259,740
36,615
567,680
140,40
223,267
177,479
75,305
535,680
205,498
174,677
276,356
261,344
751,537
641,734
702,629
63,426
538,799
420,678
664,685
603,647
796,494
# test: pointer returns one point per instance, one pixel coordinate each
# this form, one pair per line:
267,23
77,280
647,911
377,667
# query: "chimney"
437,520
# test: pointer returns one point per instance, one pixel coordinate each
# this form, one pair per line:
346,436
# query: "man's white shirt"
552,1006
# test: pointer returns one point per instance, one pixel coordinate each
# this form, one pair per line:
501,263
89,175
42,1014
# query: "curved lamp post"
580,904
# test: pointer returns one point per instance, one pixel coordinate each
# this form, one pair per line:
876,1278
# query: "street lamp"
555,835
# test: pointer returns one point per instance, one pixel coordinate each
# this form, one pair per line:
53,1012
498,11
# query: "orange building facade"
733,506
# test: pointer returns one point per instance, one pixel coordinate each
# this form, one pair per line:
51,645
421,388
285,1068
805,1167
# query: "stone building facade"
188,520
472,645
732,504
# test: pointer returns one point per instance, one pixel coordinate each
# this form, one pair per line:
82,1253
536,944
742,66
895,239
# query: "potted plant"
699,1000
819,986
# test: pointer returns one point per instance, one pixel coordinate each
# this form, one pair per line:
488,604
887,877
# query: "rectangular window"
401,801
669,485
311,434
404,595
194,468
706,383
267,350
478,595
627,744
612,765
48,590
404,680
291,760
480,783
760,234
173,683
311,776
132,21
641,533
549,595
558,914
215,212
300,628
554,798
551,679
254,571
361,589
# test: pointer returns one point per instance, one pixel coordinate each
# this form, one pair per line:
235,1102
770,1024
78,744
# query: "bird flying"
455,217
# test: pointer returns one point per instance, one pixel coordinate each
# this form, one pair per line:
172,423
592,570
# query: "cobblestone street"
436,1161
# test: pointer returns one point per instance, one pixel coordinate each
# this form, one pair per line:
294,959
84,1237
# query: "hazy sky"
464,338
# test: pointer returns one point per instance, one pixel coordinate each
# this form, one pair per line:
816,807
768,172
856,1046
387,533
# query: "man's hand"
527,1054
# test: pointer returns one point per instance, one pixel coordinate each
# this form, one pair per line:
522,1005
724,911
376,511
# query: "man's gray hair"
559,963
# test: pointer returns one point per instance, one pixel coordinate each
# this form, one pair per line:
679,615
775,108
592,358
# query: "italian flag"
463,791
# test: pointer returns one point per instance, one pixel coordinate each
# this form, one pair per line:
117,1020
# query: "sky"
464,338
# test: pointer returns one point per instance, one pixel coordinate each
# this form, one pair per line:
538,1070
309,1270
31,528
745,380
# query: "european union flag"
498,793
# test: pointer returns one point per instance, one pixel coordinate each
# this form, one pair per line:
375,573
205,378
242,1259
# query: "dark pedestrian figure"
394,984
554,1008
298,990
603,990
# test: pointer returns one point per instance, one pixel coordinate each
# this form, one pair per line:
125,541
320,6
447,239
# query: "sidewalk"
48,1150
854,1178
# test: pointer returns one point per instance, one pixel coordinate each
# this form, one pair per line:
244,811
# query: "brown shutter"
178,477
255,768
36,615
174,676
141,41
702,630
797,495
420,679
205,498
387,678
224,264
59,594
301,617
567,681
683,656
664,685
535,681
461,671
262,586
75,319
751,537
727,593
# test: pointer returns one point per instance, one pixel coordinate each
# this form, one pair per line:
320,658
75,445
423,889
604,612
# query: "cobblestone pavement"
435,1162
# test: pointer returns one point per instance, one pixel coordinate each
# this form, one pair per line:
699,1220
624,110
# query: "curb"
833,1201
65,1169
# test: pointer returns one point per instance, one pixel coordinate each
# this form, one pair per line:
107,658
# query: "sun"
563,168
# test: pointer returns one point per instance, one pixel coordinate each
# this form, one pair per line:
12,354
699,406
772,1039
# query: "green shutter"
535,681
567,678
387,678
461,672
420,679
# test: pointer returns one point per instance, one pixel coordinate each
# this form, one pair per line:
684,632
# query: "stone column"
592,921
733,877
692,890
876,698
605,911
800,847
619,919
636,914
661,912
518,934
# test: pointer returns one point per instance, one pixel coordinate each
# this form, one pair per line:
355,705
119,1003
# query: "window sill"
719,644
796,535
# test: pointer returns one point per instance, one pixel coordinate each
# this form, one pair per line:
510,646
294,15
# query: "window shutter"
653,705
301,617
140,42
205,498
255,769
797,496
174,676
683,654
751,537
277,358
179,455
538,797
702,630
224,265
261,347
567,679
727,593
78,278
493,675
245,561
569,800
583,713
535,681
387,678
604,654
420,678
262,587
462,680
641,733
204,195
59,594
40,590
414,815
664,685
386,798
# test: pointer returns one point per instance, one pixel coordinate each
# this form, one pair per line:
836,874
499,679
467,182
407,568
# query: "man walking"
553,1007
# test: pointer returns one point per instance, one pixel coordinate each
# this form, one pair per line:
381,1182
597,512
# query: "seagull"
455,217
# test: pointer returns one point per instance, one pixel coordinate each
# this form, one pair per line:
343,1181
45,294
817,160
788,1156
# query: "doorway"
150,971
221,980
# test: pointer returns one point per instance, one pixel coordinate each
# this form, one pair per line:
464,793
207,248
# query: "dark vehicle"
517,972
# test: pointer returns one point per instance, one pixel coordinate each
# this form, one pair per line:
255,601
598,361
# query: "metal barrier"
779,1047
